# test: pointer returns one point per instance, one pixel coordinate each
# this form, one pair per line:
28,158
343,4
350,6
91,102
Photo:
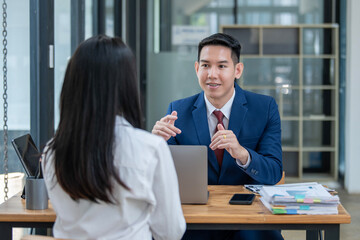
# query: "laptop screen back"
191,166
28,153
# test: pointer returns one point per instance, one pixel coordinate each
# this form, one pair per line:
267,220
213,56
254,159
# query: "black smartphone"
242,198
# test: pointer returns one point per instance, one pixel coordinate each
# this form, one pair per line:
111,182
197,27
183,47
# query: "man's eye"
205,65
222,66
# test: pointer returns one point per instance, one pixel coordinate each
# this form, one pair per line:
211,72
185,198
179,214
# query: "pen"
252,190
39,172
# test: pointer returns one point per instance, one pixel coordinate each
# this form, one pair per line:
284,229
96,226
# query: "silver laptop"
191,166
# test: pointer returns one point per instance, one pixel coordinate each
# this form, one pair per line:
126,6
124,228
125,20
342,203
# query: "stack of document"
299,198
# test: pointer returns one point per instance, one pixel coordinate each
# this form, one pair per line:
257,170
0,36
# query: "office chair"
282,180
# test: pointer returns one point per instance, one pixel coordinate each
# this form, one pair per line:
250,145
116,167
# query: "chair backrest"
282,180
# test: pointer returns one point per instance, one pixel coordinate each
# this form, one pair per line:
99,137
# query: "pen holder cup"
36,196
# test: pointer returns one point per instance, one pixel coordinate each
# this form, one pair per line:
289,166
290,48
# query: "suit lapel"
238,111
202,128
236,121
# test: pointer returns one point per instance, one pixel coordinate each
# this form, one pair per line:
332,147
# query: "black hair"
100,83
225,40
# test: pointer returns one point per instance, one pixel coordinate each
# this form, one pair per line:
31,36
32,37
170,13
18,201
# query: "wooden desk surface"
218,210
14,210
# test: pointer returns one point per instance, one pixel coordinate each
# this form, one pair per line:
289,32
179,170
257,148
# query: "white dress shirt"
151,209
212,121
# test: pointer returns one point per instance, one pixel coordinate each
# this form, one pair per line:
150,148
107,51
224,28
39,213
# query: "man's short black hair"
225,40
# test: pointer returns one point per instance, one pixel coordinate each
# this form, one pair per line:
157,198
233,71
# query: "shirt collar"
120,120
226,109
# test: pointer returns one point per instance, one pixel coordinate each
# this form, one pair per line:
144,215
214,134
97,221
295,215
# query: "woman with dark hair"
106,178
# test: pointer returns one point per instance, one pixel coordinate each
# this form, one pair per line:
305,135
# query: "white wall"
352,116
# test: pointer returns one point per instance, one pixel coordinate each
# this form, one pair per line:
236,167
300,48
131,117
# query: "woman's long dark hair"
100,83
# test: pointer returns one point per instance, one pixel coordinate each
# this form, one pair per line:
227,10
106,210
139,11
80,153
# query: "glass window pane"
284,12
280,41
318,134
319,71
88,18
18,90
317,162
248,38
318,103
285,18
277,72
290,102
18,79
291,164
62,33
269,92
178,84
109,17
259,3
286,3
258,17
289,133
226,19
18,66
224,3
317,41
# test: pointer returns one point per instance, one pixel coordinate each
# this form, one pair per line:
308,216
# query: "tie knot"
219,115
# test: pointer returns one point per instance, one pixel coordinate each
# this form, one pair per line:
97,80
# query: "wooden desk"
14,214
217,214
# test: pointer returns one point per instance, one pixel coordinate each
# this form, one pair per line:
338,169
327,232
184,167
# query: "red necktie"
219,153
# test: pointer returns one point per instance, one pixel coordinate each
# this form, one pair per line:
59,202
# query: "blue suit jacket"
255,121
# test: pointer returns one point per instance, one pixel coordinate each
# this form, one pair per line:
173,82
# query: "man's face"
216,73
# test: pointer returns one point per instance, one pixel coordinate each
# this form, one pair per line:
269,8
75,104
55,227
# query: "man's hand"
226,139
165,127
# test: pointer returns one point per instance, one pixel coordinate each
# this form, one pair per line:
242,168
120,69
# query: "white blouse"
151,209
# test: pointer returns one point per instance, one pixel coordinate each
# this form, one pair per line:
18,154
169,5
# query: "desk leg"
6,231
312,234
333,233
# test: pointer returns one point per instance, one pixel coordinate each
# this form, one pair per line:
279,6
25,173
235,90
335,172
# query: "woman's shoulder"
146,138
136,135
132,143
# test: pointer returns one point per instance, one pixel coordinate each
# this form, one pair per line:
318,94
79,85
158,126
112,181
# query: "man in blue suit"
241,129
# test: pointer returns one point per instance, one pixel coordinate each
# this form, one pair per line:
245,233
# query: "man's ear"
196,66
239,67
